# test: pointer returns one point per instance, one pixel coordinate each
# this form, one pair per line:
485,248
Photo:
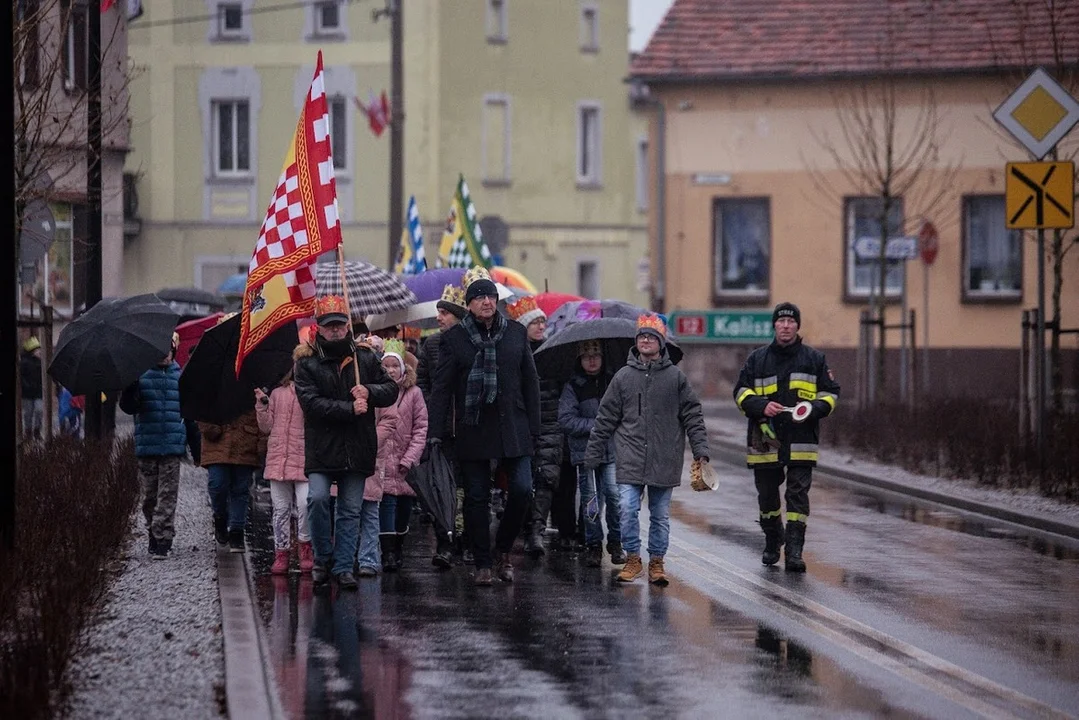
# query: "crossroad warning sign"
1039,195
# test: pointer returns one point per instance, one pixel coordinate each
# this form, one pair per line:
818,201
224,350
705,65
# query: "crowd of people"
339,437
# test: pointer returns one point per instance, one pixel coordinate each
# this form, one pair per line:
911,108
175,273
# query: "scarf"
482,384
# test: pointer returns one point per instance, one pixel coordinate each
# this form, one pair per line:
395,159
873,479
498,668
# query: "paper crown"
394,346
330,305
651,322
526,311
477,273
453,295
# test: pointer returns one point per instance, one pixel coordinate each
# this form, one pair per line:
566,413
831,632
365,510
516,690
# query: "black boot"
443,558
796,537
533,544
398,551
387,545
773,539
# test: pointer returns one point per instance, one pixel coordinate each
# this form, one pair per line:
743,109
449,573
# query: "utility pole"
395,11
93,191
9,346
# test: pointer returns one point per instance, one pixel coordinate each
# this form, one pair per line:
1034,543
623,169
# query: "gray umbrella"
371,289
556,358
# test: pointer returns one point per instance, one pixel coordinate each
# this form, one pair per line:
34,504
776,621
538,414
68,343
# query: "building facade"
774,171
526,99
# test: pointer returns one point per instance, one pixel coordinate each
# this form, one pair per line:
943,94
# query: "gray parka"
649,409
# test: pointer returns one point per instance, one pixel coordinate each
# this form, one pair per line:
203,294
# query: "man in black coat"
340,444
485,369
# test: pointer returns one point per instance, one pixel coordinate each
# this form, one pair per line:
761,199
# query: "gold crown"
453,295
522,307
330,304
477,273
393,345
652,322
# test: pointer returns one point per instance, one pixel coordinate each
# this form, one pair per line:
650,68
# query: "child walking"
280,416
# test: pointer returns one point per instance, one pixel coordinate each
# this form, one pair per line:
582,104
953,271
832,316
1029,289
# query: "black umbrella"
108,347
209,388
192,302
556,358
433,482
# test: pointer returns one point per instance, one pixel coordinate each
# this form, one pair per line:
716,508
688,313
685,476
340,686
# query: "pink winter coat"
406,445
282,420
385,425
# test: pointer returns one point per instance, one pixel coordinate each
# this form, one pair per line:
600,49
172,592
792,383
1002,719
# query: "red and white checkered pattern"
284,231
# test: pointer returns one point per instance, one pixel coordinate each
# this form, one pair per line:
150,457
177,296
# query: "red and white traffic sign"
690,325
928,242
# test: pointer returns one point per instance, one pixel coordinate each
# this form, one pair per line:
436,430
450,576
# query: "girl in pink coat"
402,454
279,416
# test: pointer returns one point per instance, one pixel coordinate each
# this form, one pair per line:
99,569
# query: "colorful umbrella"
578,310
512,278
550,301
427,287
190,333
370,288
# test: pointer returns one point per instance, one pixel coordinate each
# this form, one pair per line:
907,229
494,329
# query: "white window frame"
494,100
984,293
241,33
321,28
218,171
893,286
497,21
720,250
583,262
643,177
339,153
589,177
589,27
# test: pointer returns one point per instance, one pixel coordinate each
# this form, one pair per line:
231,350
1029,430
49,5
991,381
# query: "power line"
210,18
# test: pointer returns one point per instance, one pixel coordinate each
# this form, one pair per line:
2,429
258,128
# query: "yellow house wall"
766,139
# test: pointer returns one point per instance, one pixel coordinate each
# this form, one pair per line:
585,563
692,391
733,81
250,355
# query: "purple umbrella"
427,286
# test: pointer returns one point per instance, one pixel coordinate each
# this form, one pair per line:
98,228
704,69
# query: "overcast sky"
644,17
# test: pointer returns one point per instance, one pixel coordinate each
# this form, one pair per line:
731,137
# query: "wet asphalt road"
906,611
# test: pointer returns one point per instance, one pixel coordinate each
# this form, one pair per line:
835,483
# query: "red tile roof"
743,39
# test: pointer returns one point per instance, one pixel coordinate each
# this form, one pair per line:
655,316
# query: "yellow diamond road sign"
1039,113
1039,195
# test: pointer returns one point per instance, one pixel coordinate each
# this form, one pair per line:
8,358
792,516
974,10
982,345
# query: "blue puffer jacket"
155,402
577,411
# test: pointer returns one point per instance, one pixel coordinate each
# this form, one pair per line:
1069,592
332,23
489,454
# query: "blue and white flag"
412,259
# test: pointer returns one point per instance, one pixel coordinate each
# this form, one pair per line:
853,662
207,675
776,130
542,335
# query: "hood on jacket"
634,359
304,349
408,380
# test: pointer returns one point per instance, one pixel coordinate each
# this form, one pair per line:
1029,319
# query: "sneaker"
632,570
162,549
483,577
467,557
236,541
307,557
221,531
319,573
443,559
280,562
503,567
346,581
656,574
618,555
367,571
594,555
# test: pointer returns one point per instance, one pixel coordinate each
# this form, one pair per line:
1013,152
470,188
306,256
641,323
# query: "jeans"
608,496
341,547
659,521
370,555
394,512
477,475
33,414
229,485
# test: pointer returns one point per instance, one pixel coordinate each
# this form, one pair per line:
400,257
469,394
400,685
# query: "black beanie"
456,310
787,309
483,286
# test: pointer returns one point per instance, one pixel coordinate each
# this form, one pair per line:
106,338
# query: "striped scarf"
482,384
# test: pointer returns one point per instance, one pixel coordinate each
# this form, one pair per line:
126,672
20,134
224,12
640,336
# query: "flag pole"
348,309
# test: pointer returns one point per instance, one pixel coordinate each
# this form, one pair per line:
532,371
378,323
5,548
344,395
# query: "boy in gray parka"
649,408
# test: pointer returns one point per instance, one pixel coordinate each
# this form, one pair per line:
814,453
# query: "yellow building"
526,98
764,121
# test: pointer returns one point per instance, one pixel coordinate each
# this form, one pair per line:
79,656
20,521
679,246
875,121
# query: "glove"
702,476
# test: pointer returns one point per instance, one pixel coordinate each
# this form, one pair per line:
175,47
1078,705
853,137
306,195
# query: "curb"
735,452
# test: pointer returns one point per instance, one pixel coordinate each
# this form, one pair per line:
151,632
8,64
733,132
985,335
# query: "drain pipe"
659,294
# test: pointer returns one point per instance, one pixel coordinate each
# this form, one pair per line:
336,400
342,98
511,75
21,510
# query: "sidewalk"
727,433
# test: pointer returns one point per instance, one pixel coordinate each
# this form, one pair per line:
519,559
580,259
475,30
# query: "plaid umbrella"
370,289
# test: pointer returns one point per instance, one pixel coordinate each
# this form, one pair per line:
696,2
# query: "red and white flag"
377,112
301,223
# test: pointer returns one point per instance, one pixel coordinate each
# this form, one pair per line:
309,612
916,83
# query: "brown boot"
632,569
503,567
656,575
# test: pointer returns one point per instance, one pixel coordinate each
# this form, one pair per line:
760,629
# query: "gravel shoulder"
147,653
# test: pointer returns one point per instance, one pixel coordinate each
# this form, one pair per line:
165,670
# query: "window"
74,50
339,131
589,142
992,254
642,174
589,28
230,20
741,248
232,137
496,139
27,59
588,279
327,17
496,21
212,272
862,218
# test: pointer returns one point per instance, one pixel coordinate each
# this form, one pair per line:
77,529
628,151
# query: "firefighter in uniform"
774,379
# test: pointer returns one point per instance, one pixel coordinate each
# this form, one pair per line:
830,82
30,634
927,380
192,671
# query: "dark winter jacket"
648,409
547,460
786,375
506,427
30,376
154,400
335,438
425,370
237,442
577,410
